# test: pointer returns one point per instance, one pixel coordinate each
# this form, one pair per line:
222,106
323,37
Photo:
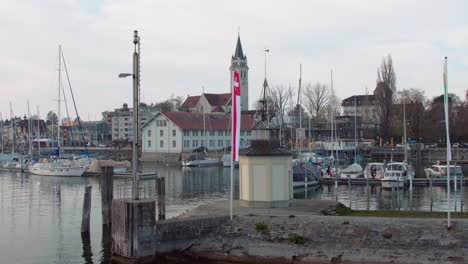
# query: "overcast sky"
188,44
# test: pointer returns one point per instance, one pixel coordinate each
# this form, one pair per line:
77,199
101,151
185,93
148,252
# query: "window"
220,133
202,143
195,143
201,133
186,143
149,143
249,133
173,143
242,142
242,133
228,142
186,133
212,132
161,133
149,133
220,143
195,133
161,144
174,133
212,143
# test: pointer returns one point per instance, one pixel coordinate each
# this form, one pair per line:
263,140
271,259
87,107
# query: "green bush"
387,236
261,227
292,216
342,210
346,223
296,239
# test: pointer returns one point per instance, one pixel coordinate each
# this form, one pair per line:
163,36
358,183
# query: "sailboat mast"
333,114
292,109
355,128
300,108
404,130
12,125
58,102
38,136
1,129
29,131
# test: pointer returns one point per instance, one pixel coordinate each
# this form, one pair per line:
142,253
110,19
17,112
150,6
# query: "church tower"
239,64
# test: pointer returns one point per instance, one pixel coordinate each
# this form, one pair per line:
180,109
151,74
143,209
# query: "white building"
121,121
169,134
364,106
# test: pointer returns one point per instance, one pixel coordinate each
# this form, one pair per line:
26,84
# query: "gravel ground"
300,234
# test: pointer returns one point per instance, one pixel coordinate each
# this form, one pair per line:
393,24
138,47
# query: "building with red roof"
173,133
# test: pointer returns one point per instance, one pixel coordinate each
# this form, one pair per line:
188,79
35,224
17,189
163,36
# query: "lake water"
40,216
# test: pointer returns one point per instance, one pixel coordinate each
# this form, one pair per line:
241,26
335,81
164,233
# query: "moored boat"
439,171
374,170
396,175
353,171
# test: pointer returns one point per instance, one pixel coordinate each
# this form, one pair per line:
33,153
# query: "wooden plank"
86,209
161,182
106,183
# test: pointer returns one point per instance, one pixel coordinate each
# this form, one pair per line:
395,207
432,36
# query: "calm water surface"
40,216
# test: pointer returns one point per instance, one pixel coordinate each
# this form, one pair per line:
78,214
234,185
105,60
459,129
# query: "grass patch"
341,209
296,239
261,228
387,236
345,223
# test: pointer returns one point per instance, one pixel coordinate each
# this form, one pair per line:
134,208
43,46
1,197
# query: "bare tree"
280,99
316,98
385,94
386,74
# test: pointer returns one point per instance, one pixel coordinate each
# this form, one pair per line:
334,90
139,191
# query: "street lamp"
136,84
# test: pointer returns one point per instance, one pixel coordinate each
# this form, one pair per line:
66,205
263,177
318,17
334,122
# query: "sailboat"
199,157
58,166
354,170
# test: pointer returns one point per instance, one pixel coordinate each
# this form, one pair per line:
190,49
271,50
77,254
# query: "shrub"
387,236
292,216
346,223
261,227
296,239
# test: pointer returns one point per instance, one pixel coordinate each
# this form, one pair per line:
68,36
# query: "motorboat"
353,171
439,171
227,161
199,159
306,175
374,170
396,175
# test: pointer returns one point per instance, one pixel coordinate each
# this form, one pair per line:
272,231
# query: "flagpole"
449,154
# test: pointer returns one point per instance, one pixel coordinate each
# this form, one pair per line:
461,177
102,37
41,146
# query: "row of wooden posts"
106,184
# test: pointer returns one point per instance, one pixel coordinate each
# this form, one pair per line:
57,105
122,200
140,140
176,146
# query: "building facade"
183,132
363,106
121,121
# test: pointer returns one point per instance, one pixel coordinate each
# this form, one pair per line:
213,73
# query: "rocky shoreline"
301,235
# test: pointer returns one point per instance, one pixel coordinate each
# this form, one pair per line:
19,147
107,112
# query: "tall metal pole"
12,126
300,109
58,101
1,129
404,129
136,79
448,150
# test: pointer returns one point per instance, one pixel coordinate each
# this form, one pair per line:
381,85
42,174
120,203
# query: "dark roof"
260,148
360,100
218,99
194,121
190,102
218,109
239,53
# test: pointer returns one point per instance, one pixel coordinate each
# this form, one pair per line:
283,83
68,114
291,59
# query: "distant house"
208,103
168,134
363,106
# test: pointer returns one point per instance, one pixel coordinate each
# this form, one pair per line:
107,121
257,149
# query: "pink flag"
236,117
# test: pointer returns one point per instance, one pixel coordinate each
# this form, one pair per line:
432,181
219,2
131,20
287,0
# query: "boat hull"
392,184
200,163
59,171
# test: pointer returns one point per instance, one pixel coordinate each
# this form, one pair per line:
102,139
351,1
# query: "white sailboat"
58,166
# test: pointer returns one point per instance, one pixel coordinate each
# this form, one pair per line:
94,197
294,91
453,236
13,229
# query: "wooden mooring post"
106,184
161,182
86,209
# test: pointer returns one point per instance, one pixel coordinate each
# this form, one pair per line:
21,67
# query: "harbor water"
40,216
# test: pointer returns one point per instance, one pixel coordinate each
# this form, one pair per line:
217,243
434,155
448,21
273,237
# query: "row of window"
161,133
212,133
161,144
212,143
